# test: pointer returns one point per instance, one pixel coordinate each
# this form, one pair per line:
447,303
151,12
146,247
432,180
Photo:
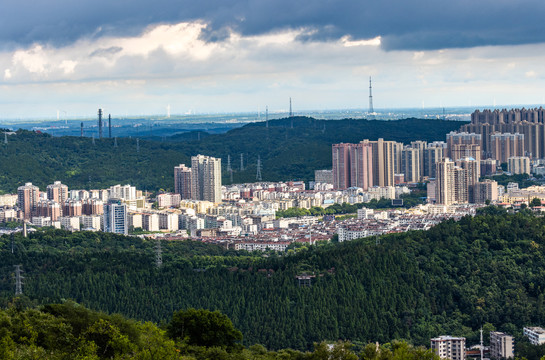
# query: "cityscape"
265,180
453,178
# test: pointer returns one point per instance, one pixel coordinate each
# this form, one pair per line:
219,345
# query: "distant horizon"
384,112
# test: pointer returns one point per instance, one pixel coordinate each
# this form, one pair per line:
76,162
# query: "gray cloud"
106,51
402,24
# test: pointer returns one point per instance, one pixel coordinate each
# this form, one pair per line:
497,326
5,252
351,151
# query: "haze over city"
137,58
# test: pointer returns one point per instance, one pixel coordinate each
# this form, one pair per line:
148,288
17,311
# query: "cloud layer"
134,57
402,24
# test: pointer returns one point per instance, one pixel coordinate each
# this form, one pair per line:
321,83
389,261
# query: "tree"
204,328
535,202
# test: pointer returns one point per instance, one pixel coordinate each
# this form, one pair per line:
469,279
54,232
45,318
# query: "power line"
158,254
258,174
18,280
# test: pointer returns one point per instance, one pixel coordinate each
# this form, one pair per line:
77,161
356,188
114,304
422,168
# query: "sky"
137,57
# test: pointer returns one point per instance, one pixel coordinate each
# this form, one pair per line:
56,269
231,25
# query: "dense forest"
70,331
458,276
286,152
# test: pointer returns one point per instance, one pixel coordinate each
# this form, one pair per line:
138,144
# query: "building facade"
449,347
518,165
502,346
27,199
182,181
115,217
206,178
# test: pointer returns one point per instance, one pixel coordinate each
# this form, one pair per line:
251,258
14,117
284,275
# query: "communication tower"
371,110
81,131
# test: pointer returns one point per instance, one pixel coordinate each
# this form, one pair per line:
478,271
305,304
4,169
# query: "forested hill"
286,152
484,271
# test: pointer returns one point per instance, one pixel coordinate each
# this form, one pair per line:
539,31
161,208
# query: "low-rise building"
535,334
449,347
502,346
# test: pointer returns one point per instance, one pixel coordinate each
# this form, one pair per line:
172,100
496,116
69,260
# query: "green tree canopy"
202,327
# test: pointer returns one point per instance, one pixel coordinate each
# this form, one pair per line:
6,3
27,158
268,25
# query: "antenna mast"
371,110
18,280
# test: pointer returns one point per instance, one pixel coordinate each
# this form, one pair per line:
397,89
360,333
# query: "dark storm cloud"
403,24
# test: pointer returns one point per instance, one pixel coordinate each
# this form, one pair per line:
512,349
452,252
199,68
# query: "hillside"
452,279
286,153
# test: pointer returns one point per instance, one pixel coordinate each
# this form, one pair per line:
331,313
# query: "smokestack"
81,135
100,123
109,126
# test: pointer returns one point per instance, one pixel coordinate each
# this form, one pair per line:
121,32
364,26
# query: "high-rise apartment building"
123,192
72,208
445,182
27,199
323,176
421,146
472,170
485,190
361,160
459,151
434,153
529,122
182,181
352,165
48,208
502,346
518,165
206,178
449,347
385,158
455,181
488,167
410,164
341,165
115,217
57,192
92,207
503,146
461,138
